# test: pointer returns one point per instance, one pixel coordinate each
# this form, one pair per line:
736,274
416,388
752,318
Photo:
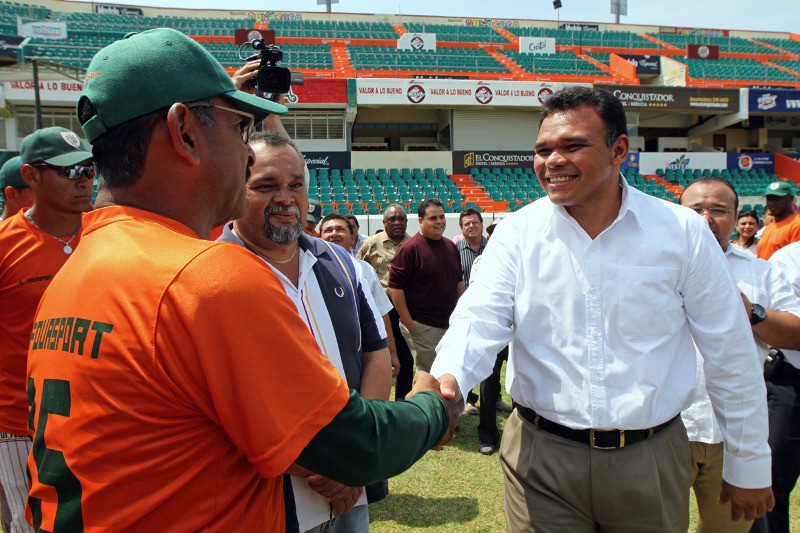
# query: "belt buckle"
596,447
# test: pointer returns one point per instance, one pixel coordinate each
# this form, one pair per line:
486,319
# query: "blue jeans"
356,520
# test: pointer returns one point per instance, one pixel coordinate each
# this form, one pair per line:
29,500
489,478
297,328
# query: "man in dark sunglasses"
34,245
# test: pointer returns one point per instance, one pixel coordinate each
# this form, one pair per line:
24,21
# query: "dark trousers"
406,375
783,398
490,391
495,377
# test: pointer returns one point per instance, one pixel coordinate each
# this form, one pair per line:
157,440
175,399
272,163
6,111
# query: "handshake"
446,387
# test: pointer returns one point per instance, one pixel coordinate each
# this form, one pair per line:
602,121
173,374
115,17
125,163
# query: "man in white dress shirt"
774,313
601,290
783,399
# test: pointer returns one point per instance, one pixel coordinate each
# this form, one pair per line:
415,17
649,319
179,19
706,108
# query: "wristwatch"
757,314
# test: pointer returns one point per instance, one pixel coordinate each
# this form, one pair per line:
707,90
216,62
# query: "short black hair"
352,218
467,212
606,104
336,216
272,138
708,180
119,154
425,204
747,213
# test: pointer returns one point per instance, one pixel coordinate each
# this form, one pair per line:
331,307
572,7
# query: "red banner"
702,51
319,91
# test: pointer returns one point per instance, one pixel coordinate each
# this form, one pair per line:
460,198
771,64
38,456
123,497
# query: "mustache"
272,209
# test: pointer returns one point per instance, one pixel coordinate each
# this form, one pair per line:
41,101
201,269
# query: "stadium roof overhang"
47,71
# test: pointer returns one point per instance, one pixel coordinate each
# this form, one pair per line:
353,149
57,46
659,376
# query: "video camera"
271,79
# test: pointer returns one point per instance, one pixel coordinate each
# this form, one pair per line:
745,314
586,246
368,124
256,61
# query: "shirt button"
592,248
592,290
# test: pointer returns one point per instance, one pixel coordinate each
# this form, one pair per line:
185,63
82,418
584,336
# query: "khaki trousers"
707,482
557,485
423,343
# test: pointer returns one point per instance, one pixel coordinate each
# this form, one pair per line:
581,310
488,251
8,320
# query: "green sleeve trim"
371,440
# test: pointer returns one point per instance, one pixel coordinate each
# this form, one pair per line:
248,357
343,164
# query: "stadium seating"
559,63
304,56
783,44
746,182
616,39
734,69
453,33
328,29
373,189
726,44
446,59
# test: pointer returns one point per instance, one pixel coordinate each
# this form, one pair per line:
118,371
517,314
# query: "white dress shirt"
379,302
787,259
602,329
763,284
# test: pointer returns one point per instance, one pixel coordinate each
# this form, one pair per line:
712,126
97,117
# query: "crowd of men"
154,378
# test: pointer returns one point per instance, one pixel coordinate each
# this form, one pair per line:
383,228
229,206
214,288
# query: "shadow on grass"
415,511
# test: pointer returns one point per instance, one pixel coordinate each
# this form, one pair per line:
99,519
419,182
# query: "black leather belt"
600,439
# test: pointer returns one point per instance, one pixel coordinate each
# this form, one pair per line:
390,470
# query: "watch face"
759,314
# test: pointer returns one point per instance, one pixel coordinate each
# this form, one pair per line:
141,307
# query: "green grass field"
458,489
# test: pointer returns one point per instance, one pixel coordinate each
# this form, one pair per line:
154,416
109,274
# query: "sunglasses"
245,125
74,172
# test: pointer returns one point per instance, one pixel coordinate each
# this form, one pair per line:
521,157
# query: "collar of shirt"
463,245
628,207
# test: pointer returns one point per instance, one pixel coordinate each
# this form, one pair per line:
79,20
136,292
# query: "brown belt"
600,439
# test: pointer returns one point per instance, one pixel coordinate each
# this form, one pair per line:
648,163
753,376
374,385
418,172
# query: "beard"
282,234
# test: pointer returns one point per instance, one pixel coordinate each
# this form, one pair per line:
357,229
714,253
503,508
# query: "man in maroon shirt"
425,281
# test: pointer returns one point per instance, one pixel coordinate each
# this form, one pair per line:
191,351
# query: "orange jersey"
777,235
171,384
29,258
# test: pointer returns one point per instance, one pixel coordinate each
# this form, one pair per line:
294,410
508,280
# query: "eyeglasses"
714,212
74,172
472,223
245,126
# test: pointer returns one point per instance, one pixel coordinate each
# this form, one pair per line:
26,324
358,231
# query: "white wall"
403,160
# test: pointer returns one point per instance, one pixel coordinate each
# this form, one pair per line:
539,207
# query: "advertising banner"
649,162
632,161
750,161
9,44
702,51
645,65
417,41
318,91
464,161
693,31
42,30
51,92
579,27
676,98
769,101
438,93
537,45
102,9
327,160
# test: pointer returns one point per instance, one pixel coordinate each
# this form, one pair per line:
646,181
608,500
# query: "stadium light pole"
557,6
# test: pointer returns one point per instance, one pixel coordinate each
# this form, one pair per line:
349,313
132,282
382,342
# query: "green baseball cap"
10,175
314,211
152,70
779,188
56,146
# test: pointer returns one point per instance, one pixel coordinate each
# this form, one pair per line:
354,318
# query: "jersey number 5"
51,466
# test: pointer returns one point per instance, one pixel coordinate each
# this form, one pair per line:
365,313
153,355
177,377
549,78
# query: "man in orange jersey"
34,244
16,193
786,227
182,380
